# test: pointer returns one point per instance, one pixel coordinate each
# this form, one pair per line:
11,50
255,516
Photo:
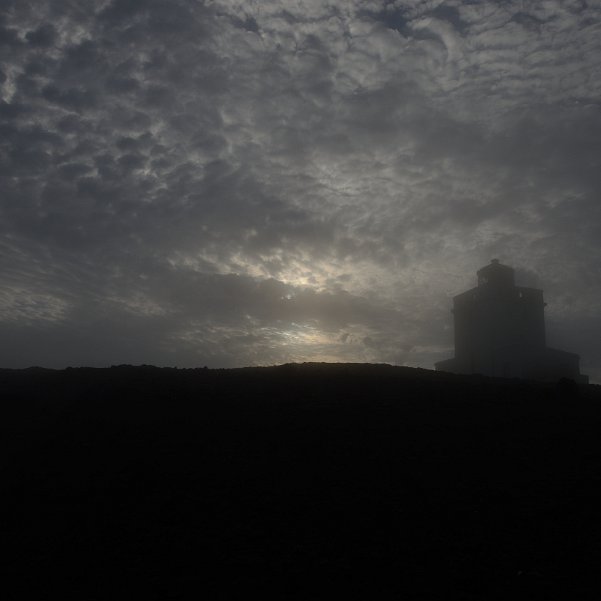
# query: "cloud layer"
232,183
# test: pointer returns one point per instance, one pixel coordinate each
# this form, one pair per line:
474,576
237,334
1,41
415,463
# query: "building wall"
500,331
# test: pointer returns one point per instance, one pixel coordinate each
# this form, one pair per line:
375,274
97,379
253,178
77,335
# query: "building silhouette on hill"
500,331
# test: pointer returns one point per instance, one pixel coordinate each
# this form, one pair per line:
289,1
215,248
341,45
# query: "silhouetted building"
500,331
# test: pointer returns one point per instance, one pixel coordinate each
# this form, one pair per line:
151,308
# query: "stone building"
500,331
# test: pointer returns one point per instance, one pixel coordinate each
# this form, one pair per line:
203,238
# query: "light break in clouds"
231,183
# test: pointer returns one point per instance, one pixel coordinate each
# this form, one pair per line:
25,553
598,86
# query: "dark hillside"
309,481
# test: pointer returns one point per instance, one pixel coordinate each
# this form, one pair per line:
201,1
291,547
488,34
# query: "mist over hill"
302,481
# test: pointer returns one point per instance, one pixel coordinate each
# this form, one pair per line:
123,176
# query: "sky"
229,183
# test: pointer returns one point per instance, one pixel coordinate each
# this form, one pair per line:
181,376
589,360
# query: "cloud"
228,182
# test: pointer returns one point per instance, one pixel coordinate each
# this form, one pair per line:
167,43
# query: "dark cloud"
43,36
225,183
9,36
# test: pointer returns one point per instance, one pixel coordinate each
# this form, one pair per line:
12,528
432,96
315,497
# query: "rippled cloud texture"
231,183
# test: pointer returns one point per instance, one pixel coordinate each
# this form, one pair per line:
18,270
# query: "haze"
232,183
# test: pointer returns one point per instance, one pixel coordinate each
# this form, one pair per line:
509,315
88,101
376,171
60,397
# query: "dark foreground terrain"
300,482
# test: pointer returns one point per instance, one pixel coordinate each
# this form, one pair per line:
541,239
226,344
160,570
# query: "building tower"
500,331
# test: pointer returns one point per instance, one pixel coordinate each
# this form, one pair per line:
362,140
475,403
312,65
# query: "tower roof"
496,274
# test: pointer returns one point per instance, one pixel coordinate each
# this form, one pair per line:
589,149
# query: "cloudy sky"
228,183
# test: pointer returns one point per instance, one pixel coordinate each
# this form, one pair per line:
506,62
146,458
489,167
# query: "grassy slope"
301,482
